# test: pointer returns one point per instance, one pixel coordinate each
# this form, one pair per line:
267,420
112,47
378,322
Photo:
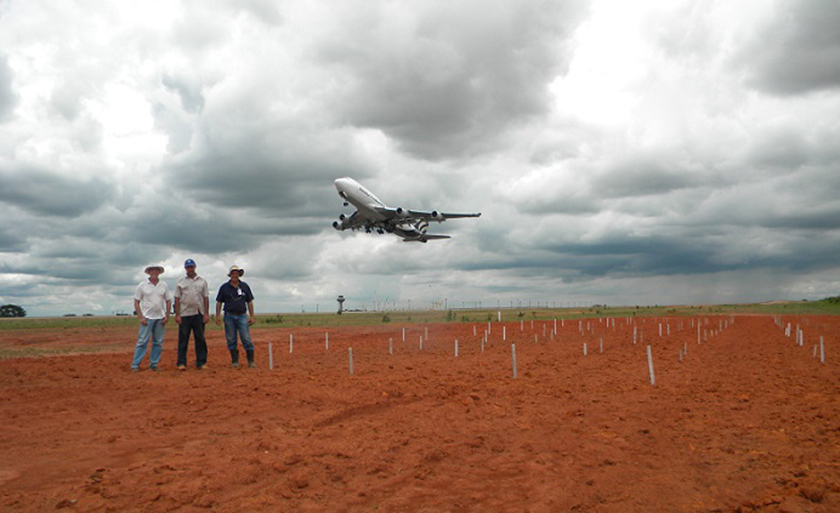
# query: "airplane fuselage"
357,195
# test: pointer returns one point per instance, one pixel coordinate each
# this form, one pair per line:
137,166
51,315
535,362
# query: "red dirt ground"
747,422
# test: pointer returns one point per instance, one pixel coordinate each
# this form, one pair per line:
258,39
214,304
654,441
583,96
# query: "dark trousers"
194,323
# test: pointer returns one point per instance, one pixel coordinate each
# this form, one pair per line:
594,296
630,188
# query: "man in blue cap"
192,312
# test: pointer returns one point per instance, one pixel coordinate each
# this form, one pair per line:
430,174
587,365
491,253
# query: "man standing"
152,302
237,298
192,311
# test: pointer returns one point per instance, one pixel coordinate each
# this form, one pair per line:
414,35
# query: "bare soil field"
747,421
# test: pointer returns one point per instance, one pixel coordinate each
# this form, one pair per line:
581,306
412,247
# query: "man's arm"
206,309
251,318
218,313
168,309
177,309
139,313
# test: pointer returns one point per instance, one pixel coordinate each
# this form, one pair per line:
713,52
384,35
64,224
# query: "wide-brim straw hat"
159,267
235,268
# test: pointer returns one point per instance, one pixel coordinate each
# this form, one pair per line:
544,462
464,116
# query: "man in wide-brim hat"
152,302
238,300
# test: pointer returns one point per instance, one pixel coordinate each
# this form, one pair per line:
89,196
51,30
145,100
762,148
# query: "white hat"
148,268
235,268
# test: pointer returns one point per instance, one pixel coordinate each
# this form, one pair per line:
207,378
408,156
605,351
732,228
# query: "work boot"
250,355
234,358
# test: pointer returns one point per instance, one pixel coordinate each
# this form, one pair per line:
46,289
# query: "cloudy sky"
620,152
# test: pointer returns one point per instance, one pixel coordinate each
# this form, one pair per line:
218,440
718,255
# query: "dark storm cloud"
277,170
799,51
44,192
824,219
611,256
266,12
569,202
11,240
225,231
192,100
651,256
177,128
92,259
643,175
788,149
8,97
174,220
456,77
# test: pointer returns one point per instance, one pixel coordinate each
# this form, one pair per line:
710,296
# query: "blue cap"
189,263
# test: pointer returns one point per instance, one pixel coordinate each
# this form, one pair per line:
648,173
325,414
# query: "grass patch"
10,353
829,306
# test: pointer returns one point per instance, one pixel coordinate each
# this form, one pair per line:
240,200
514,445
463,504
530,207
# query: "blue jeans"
154,330
238,324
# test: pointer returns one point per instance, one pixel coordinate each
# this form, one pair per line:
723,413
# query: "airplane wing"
434,215
442,216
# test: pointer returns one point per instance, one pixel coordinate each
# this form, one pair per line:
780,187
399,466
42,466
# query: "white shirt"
153,298
191,292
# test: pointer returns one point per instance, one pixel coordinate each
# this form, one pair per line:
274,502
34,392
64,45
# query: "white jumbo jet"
373,215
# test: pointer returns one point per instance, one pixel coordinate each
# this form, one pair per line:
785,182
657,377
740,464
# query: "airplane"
373,215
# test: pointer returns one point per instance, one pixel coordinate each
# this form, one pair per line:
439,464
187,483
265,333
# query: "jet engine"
338,226
342,217
437,216
401,212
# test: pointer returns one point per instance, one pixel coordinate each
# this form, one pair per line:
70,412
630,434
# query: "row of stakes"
636,334
800,338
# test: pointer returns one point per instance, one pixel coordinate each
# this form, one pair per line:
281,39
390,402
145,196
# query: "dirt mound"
747,421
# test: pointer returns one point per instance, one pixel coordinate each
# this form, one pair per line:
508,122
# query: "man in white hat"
152,302
238,301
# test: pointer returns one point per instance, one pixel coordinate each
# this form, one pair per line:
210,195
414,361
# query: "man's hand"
143,321
178,318
163,323
218,321
251,320
206,318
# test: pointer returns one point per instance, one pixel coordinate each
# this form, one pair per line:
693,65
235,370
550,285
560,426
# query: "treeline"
12,311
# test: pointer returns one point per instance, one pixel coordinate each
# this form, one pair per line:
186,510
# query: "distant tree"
12,311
